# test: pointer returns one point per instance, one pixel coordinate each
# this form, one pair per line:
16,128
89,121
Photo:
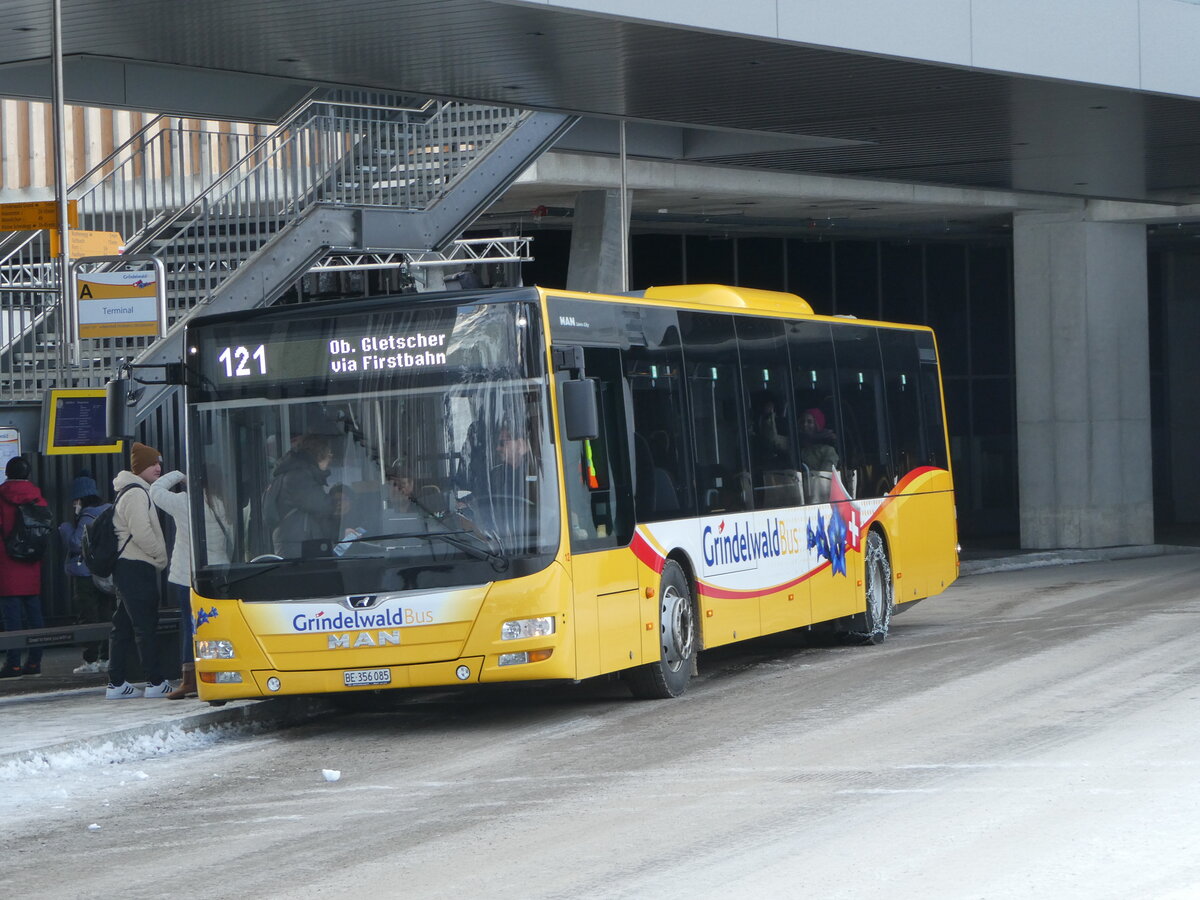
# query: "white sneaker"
158,690
124,691
88,668
102,665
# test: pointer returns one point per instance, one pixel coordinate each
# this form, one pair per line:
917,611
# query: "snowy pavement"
75,718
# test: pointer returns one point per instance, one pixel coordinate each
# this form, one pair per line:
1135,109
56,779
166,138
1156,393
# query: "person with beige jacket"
143,554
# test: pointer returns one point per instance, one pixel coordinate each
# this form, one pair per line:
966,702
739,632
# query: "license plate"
360,677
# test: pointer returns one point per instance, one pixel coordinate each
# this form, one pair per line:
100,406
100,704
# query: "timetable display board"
74,421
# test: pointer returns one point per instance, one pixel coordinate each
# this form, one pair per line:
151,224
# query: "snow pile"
77,777
90,755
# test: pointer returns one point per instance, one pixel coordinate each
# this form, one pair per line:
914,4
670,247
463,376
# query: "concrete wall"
596,262
1141,44
1083,383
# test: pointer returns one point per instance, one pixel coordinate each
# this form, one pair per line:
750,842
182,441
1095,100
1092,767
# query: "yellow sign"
117,304
88,243
35,215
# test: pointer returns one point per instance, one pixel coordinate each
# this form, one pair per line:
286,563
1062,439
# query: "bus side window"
775,479
654,374
900,368
715,397
818,431
863,410
932,421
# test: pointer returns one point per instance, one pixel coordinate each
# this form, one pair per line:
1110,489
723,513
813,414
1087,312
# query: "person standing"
20,580
91,604
302,510
179,576
143,555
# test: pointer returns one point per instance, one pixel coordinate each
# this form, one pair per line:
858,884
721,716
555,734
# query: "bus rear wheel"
669,676
872,625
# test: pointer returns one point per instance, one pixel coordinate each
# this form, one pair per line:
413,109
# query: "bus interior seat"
819,486
666,496
782,487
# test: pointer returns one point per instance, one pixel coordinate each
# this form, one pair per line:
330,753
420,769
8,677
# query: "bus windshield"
408,447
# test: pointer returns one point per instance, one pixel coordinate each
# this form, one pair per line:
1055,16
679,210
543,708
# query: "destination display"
349,352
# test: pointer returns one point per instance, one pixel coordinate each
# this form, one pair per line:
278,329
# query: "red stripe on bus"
713,592
646,553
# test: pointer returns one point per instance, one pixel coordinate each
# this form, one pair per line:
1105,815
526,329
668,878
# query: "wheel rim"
679,633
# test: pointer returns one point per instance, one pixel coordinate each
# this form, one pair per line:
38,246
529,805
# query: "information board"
36,214
74,420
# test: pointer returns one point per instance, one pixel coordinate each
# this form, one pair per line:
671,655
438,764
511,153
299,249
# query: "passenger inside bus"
768,439
510,474
400,491
296,507
817,453
776,480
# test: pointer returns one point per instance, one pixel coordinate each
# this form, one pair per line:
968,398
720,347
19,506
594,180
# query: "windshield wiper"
497,558
226,583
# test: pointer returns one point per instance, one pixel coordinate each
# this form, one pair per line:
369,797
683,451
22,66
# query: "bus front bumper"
228,683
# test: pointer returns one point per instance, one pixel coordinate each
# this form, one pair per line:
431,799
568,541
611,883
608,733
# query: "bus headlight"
214,650
526,628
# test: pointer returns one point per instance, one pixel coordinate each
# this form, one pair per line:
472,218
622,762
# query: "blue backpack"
98,544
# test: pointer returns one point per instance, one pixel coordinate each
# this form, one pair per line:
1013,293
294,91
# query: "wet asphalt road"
1028,733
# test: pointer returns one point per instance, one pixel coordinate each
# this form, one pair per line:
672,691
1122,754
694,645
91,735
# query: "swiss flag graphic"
840,497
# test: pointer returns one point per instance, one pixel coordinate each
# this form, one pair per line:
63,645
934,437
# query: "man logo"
361,601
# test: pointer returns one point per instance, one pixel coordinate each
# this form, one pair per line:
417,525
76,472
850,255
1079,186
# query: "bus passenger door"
600,524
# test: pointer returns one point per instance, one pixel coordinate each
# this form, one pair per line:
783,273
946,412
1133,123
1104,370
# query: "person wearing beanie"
143,555
142,458
20,580
91,604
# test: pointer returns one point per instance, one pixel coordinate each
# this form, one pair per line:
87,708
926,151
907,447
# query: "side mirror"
581,409
116,408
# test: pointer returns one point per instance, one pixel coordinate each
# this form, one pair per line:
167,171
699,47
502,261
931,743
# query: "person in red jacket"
20,581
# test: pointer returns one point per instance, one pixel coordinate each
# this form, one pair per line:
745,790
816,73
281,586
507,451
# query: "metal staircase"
357,174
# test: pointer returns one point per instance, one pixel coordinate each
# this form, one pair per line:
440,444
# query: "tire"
669,676
871,626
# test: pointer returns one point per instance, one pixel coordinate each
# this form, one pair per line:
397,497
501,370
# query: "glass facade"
963,289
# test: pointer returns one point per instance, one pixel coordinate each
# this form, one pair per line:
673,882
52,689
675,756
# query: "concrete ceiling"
705,98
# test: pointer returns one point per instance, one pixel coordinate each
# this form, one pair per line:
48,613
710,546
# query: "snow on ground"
90,775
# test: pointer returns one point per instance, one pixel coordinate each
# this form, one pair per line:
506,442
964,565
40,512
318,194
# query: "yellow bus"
532,484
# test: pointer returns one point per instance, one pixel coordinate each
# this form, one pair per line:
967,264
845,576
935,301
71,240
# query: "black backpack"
30,535
98,544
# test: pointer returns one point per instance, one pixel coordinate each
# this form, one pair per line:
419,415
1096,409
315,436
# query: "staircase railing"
353,153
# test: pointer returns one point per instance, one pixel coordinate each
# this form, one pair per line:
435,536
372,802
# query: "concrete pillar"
1181,278
1083,382
596,233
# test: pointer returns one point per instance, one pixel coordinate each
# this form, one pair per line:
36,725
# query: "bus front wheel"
668,677
871,626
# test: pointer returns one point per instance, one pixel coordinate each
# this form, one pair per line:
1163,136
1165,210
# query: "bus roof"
754,301
736,297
